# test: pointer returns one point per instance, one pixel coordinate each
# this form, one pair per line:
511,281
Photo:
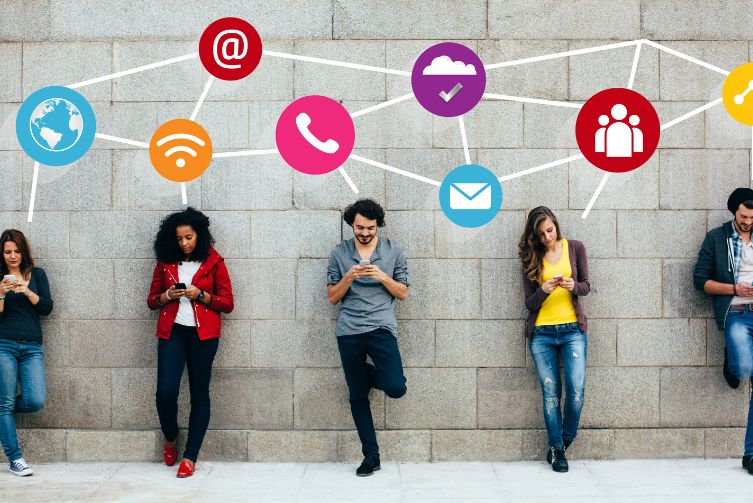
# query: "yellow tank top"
558,308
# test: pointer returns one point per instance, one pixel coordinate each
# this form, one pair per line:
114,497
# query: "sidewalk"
666,481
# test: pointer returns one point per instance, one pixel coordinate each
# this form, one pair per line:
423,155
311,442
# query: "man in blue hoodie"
724,269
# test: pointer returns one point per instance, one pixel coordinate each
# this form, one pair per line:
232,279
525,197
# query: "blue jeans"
547,344
20,362
738,333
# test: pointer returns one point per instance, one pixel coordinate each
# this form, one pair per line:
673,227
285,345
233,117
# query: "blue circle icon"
55,126
470,195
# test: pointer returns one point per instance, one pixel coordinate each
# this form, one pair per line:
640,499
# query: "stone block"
659,343
247,183
12,183
690,133
42,445
598,232
583,19
477,343
321,401
429,392
611,297
412,230
47,234
659,443
637,189
626,397
235,345
722,131
79,276
226,122
714,344
11,69
602,342
232,232
644,234
547,187
416,342
294,234
713,403
133,278
509,398
76,398
311,291
358,19
478,445
525,80
491,124
590,444
107,344
263,289
294,343
339,82
698,21
405,193
272,80
685,80
680,298
133,398
502,303
713,173
225,445
121,446
292,446
459,280
140,227
394,445
8,139
61,64
252,399
549,127
453,241
723,442
405,125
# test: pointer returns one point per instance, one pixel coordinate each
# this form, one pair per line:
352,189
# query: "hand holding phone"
179,286
364,263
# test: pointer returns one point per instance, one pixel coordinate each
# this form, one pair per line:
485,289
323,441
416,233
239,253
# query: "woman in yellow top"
555,275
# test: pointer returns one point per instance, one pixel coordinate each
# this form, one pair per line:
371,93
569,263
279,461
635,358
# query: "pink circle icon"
315,135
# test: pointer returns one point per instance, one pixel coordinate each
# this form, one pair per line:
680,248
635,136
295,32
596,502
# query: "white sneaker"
20,468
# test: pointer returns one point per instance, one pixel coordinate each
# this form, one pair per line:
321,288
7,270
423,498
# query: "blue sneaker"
20,468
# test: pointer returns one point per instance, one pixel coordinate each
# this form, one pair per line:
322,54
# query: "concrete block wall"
654,385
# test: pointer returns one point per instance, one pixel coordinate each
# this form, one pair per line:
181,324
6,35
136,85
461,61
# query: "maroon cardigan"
535,296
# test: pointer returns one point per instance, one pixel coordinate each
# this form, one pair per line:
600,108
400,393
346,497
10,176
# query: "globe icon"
56,124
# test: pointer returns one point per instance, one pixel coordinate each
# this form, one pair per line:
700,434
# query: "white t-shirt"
745,272
186,272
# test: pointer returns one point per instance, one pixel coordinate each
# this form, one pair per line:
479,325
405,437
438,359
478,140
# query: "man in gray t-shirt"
367,273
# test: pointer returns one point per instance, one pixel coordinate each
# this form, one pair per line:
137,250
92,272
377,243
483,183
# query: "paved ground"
686,481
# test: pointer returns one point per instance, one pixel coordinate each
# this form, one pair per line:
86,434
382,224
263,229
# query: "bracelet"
167,294
734,289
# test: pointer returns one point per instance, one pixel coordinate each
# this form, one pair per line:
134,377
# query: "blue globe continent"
56,124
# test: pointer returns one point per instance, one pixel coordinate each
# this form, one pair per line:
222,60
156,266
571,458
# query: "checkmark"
448,96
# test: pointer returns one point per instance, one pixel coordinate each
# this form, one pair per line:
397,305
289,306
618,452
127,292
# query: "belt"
741,307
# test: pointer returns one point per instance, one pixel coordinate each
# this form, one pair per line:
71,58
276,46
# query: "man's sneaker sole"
23,473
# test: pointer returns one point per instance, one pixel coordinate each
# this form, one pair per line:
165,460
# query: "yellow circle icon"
737,94
180,150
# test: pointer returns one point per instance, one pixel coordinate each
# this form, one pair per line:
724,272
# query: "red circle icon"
617,130
230,48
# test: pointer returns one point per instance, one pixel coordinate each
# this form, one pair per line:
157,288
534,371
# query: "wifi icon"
180,150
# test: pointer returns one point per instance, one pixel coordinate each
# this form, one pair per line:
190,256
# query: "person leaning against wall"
367,273
555,275
724,269
24,297
191,287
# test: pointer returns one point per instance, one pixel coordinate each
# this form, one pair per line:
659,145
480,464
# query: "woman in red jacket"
190,287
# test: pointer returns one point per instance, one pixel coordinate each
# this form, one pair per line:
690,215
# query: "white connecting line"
637,43
210,80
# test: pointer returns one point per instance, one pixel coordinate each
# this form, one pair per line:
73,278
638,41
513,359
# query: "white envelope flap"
470,190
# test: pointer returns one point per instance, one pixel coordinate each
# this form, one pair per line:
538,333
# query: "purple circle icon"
448,79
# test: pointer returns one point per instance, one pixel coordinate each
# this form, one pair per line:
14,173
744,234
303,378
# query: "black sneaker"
369,466
746,461
559,461
731,379
549,452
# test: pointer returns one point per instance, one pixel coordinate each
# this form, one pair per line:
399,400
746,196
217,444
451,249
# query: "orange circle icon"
180,150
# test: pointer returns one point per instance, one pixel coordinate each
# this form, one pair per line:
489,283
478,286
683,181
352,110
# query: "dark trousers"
184,349
386,374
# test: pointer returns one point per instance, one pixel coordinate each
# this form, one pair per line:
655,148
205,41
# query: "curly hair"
27,261
530,248
166,246
368,208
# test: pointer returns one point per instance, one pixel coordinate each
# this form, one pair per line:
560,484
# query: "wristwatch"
200,297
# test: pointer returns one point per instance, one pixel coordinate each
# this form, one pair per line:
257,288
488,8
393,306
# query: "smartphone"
180,286
364,262
10,277
558,278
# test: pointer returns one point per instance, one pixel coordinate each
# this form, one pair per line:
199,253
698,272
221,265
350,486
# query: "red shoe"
170,453
186,468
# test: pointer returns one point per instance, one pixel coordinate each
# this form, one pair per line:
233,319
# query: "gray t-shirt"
367,305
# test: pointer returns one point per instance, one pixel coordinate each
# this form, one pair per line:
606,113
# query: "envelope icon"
470,196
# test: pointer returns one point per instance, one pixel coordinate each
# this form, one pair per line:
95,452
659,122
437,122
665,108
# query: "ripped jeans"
547,344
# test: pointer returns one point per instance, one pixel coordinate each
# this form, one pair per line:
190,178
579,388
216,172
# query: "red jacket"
212,277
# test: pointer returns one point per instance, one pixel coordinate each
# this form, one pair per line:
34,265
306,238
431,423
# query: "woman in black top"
24,296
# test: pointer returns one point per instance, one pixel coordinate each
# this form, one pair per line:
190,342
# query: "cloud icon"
444,65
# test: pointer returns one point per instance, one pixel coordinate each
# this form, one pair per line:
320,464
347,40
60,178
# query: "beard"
364,240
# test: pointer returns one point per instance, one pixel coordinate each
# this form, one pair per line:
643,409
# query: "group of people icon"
619,139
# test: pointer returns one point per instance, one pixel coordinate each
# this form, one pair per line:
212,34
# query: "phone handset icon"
303,121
